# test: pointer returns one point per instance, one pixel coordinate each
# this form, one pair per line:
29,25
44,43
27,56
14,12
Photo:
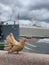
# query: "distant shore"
23,58
33,40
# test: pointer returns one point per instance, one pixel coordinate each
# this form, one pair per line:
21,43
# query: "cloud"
41,23
27,22
5,12
41,14
38,4
35,11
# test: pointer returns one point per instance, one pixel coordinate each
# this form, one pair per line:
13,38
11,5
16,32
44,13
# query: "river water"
42,46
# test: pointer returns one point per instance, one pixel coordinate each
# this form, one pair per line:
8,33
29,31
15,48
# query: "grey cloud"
32,10
38,4
30,4
25,15
7,1
41,14
5,12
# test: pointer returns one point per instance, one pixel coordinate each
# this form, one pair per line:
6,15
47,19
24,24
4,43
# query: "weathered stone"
23,59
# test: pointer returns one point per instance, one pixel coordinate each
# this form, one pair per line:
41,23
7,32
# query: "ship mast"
16,20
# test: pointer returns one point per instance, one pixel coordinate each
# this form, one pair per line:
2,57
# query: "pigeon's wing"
16,48
7,45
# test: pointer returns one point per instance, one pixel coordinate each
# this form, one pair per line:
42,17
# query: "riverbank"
23,58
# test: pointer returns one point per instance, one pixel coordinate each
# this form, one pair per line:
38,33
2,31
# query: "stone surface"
23,58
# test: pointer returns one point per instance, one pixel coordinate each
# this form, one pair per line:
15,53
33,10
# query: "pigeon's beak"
25,40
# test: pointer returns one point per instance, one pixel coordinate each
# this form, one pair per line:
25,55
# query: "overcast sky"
30,11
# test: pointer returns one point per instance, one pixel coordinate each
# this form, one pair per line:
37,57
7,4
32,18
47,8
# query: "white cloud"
25,22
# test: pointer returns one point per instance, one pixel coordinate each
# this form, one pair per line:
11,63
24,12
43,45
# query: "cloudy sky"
29,11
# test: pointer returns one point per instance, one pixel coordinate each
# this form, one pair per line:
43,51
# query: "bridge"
34,32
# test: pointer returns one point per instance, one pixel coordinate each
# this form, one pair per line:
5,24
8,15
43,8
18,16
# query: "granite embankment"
23,58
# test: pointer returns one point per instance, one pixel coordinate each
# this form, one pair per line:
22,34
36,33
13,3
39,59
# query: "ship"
6,29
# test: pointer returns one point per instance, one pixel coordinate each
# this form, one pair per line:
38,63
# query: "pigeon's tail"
7,45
